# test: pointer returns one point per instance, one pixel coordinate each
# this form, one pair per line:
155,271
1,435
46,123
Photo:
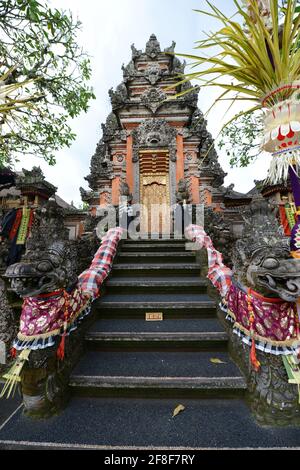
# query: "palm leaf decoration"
252,59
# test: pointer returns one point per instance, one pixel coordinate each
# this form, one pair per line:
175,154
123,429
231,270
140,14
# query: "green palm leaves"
250,59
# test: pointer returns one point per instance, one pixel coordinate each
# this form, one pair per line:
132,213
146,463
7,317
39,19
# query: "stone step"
157,370
133,424
155,246
157,285
156,269
156,257
171,305
140,334
153,239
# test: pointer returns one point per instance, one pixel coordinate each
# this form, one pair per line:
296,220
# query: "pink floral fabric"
275,319
41,316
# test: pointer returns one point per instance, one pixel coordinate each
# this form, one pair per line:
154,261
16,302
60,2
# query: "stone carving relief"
178,67
101,165
154,133
129,71
119,97
198,124
110,128
191,97
153,98
153,73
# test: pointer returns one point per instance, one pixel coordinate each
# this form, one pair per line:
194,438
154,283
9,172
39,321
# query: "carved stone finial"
153,47
101,165
170,49
191,96
118,97
229,190
110,128
178,66
33,175
129,71
135,52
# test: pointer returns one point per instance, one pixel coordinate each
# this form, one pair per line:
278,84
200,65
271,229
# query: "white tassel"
280,164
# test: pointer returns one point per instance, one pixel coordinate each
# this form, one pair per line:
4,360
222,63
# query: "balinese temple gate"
155,148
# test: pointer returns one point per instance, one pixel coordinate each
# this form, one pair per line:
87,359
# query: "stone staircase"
126,355
134,373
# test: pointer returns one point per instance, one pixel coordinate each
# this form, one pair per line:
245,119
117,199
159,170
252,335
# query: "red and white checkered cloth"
219,274
91,280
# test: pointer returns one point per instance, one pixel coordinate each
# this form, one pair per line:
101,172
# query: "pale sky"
109,27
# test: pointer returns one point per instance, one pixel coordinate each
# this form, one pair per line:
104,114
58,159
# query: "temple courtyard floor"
118,423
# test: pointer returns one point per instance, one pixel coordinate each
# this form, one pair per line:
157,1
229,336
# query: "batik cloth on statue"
43,318
48,316
275,329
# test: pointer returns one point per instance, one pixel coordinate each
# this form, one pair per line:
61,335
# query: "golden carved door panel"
155,200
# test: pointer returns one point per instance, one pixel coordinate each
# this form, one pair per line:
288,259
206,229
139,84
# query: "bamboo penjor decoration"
260,54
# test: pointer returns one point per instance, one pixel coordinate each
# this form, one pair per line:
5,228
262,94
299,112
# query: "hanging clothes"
15,226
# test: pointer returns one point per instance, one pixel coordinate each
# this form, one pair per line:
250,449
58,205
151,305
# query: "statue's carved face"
47,273
275,271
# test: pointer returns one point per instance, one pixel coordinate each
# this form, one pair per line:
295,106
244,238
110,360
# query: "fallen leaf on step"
215,360
178,410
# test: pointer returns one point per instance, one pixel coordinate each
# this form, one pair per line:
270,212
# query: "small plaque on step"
154,316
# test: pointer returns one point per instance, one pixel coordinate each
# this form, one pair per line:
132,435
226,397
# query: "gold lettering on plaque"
154,316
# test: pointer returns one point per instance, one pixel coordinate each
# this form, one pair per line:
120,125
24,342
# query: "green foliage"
84,206
40,44
241,139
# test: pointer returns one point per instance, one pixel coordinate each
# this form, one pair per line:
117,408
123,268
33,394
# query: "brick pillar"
115,188
180,158
195,190
129,164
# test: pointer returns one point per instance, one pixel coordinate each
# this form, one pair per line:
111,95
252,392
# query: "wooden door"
155,200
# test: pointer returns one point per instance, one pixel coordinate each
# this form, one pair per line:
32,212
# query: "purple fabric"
295,236
43,316
275,319
295,181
